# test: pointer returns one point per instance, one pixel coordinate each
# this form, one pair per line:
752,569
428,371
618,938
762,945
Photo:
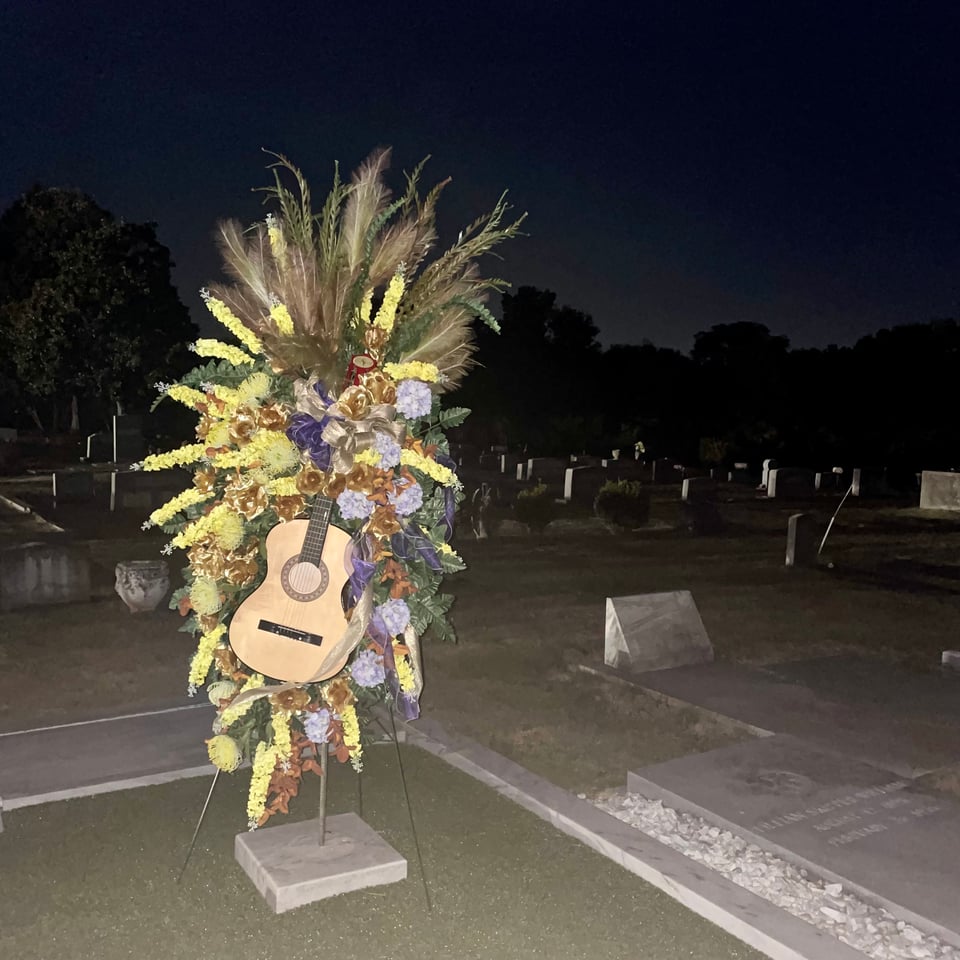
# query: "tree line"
90,321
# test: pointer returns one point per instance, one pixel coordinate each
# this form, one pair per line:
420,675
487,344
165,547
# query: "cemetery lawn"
87,878
529,613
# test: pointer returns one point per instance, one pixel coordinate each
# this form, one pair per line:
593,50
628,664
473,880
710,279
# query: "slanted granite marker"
801,541
654,631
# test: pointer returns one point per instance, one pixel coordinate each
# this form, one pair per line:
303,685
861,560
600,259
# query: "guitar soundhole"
304,581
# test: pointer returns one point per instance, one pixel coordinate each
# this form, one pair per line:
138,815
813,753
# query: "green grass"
95,878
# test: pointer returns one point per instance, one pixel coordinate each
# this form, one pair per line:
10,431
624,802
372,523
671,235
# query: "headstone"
144,490
129,444
8,435
72,486
790,483
654,631
881,836
583,483
698,488
740,465
290,868
33,574
625,470
802,543
855,479
99,448
548,470
521,471
664,470
768,465
950,658
939,491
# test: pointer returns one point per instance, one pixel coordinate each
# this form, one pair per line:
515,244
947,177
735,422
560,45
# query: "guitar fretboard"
316,530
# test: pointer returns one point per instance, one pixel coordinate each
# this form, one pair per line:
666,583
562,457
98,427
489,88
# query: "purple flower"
407,501
414,399
367,669
395,615
306,433
354,505
317,726
388,448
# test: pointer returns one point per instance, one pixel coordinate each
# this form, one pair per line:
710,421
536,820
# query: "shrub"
535,506
624,503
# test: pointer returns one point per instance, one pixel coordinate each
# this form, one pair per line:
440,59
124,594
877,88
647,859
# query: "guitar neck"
316,530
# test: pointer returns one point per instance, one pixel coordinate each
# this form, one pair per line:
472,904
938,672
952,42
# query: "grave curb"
743,914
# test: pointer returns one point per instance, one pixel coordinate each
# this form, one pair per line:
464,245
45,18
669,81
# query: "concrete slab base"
290,868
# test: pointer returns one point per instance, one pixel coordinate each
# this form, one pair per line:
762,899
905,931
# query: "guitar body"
286,626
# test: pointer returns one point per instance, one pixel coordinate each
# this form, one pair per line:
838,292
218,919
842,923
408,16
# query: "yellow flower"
203,658
351,735
223,351
436,471
219,434
180,502
280,721
264,763
279,455
232,322
283,487
391,298
278,243
414,370
186,395
224,753
365,306
253,388
205,597
369,457
405,675
200,528
280,315
228,531
231,713
188,453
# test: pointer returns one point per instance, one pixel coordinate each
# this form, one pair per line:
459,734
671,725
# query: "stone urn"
142,584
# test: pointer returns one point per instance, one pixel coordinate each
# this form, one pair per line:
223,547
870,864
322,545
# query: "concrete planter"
142,584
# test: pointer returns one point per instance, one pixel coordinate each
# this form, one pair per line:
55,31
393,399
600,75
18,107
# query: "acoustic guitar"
286,627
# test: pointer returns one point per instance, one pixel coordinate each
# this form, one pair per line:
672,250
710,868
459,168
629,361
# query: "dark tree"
88,314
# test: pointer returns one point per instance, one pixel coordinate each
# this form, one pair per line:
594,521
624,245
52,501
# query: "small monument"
654,631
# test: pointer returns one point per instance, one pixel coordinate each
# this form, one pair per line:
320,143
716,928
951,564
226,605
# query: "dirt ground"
529,612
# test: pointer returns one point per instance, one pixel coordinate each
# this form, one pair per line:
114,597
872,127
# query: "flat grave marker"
939,490
879,835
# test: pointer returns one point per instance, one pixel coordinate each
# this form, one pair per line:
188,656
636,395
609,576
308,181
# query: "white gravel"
872,930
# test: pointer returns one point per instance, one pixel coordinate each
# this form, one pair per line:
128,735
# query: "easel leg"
196,832
324,749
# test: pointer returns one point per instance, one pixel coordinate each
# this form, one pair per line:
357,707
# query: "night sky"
683,164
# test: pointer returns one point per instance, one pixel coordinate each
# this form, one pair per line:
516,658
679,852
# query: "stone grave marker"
802,541
582,484
72,486
99,448
665,470
129,444
33,574
768,465
790,483
879,835
654,631
625,469
548,470
699,488
8,435
939,490
139,490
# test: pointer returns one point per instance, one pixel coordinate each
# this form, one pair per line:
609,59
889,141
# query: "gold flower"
290,700
206,558
227,662
203,426
339,695
242,567
310,480
375,338
383,522
272,417
288,507
382,389
243,425
204,479
361,478
355,402
247,496
209,622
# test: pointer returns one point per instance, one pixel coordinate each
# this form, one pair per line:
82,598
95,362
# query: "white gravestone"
939,490
654,631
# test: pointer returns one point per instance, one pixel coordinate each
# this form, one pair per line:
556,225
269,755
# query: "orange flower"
288,507
243,425
272,417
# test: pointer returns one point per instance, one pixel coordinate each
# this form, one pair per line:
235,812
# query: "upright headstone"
789,482
548,470
654,631
521,471
768,465
698,488
582,484
855,482
137,490
72,486
939,491
129,444
801,541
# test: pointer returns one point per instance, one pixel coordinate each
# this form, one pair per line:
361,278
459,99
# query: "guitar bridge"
278,629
